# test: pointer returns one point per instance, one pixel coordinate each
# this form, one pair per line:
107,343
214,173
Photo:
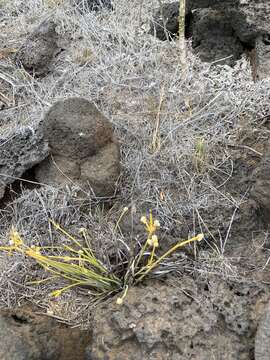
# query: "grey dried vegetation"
175,131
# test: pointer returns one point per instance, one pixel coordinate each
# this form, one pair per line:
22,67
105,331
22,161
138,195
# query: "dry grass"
158,113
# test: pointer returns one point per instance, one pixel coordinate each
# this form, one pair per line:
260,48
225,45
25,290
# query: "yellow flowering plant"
80,266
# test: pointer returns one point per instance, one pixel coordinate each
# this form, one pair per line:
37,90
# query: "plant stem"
168,253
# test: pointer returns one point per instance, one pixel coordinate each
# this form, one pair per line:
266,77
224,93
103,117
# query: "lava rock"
21,149
219,29
76,129
24,335
261,66
165,23
82,146
39,49
189,321
102,170
213,37
260,190
262,340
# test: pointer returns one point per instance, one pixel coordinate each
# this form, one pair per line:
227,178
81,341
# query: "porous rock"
220,28
39,49
83,149
213,37
24,335
262,340
261,65
76,129
183,322
260,190
102,170
21,149
165,24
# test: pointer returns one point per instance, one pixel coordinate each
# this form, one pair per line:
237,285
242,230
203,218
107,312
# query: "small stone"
76,129
39,49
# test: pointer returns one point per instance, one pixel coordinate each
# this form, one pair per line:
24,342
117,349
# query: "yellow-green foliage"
182,15
53,3
199,155
84,56
2,3
80,266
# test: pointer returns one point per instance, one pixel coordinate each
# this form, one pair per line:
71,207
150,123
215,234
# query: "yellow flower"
82,231
144,220
119,301
15,239
56,293
151,224
155,240
156,223
200,237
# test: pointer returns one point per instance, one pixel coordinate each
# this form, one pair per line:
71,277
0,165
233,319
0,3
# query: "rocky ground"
99,125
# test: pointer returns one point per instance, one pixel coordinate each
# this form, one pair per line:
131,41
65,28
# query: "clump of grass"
199,155
54,3
84,56
80,267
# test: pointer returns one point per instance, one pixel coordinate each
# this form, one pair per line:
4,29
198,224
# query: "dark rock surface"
76,129
260,190
213,37
262,57
20,150
262,340
220,29
39,49
24,335
198,322
82,146
165,24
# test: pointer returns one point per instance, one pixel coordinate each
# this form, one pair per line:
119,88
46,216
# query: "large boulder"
83,149
213,36
21,149
183,322
219,28
25,335
39,49
257,13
